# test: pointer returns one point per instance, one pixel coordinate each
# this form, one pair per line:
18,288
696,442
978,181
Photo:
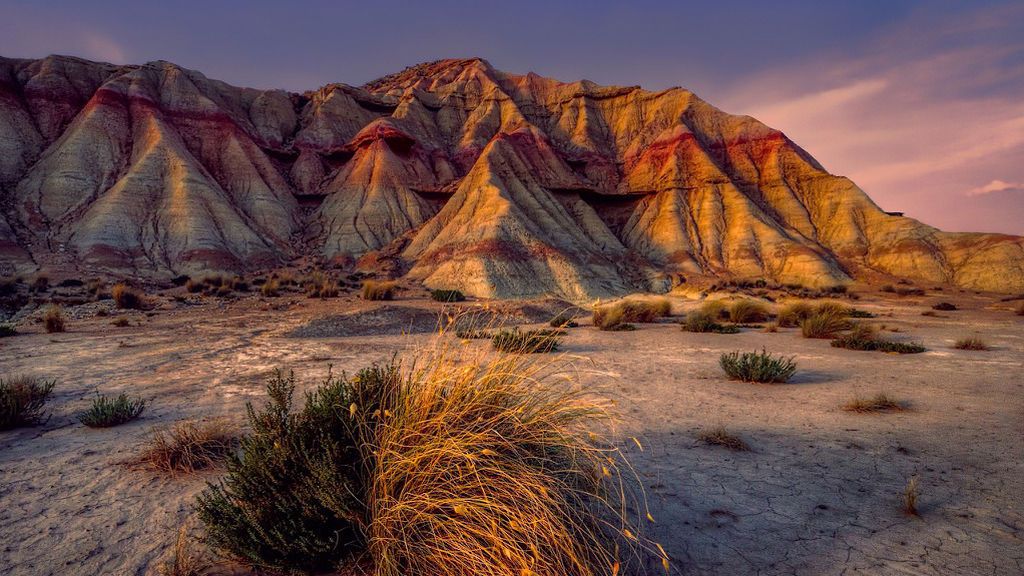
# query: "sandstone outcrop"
456,174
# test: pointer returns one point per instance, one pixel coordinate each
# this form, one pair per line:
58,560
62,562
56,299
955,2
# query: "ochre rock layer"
451,173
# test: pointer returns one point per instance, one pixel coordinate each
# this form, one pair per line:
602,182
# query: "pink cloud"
996,186
913,127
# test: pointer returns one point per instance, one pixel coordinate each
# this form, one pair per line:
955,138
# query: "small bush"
193,287
564,319
527,342
121,323
127,297
22,399
721,437
8,330
180,280
971,343
944,307
189,446
54,319
864,337
447,295
824,323
615,316
106,412
747,312
270,288
757,367
374,290
40,284
700,322
910,292
880,402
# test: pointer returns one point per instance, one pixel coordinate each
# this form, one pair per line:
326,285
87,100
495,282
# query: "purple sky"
919,102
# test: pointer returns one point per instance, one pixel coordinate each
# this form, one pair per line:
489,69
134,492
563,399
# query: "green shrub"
127,297
526,342
295,496
105,412
7,330
22,399
447,295
374,290
757,367
54,319
971,343
863,337
747,312
944,306
700,322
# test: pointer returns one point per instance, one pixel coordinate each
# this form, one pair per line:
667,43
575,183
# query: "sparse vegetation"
184,560
526,342
189,446
451,468
748,311
910,292
54,319
7,330
971,343
127,297
40,284
121,323
376,290
719,436
700,321
880,402
910,495
22,399
447,295
106,412
944,307
616,316
757,367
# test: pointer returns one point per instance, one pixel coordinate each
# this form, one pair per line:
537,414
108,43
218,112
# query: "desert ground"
819,492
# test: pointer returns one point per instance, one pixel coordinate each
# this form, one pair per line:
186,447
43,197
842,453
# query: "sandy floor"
819,493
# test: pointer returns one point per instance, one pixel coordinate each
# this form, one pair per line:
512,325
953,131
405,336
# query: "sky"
921,103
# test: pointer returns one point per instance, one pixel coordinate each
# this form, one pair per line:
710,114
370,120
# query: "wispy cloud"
916,121
996,186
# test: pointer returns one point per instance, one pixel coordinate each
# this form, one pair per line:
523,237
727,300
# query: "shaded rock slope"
451,173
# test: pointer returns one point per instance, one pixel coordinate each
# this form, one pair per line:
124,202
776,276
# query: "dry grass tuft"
826,322
715,309
792,314
719,436
910,495
614,316
880,402
748,311
184,560
54,319
22,399
495,469
271,288
376,290
971,343
189,446
127,297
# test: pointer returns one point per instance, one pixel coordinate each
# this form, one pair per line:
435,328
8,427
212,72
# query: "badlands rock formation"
451,173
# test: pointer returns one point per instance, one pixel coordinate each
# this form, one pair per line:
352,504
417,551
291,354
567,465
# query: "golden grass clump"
792,314
127,297
825,322
748,311
189,446
377,290
910,495
496,468
618,315
54,319
971,343
715,309
880,402
271,288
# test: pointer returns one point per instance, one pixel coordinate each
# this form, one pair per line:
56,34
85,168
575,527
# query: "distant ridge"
449,172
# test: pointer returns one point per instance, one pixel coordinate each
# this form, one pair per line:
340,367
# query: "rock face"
450,172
